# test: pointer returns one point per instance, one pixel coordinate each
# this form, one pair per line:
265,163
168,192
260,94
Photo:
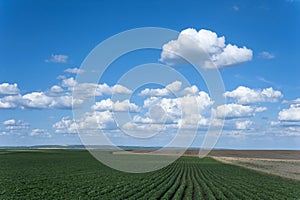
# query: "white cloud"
61,77
172,104
69,82
288,123
169,113
274,123
232,55
90,121
40,133
9,89
204,48
266,55
10,102
9,122
175,86
291,131
118,106
74,70
97,120
58,98
242,125
260,109
296,101
65,126
186,111
288,127
120,89
83,90
172,107
56,89
232,111
142,120
154,92
13,126
167,91
290,114
39,100
165,114
193,90
245,95
57,58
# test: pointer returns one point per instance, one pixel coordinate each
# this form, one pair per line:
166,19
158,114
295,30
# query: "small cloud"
242,125
266,55
56,89
9,122
245,95
74,70
57,58
65,126
15,126
9,89
235,111
118,106
235,8
61,77
39,132
296,101
69,82
167,91
291,114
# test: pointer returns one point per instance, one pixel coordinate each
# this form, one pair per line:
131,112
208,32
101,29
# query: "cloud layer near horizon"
160,110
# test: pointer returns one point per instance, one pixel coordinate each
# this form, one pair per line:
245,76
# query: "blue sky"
44,42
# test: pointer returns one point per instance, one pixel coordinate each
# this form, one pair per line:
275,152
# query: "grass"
75,174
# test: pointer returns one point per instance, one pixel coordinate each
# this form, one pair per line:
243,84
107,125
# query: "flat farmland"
75,174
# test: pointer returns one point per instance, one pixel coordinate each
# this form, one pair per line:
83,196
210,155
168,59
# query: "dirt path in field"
263,154
280,167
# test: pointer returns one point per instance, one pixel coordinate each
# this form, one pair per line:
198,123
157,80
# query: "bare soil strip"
279,167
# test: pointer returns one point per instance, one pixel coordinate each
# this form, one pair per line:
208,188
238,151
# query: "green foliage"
74,174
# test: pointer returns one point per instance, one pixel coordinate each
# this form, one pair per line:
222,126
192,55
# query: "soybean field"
75,174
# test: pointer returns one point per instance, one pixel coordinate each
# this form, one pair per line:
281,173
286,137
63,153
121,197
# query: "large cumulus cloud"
204,48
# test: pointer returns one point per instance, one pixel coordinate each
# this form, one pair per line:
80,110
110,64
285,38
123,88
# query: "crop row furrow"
207,193
152,185
137,186
171,187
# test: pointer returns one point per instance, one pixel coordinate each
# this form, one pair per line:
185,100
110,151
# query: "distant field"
75,174
284,168
265,154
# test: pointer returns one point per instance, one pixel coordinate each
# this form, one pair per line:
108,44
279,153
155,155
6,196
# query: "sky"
254,45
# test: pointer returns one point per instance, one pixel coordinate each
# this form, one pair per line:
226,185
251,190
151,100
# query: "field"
74,174
284,168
